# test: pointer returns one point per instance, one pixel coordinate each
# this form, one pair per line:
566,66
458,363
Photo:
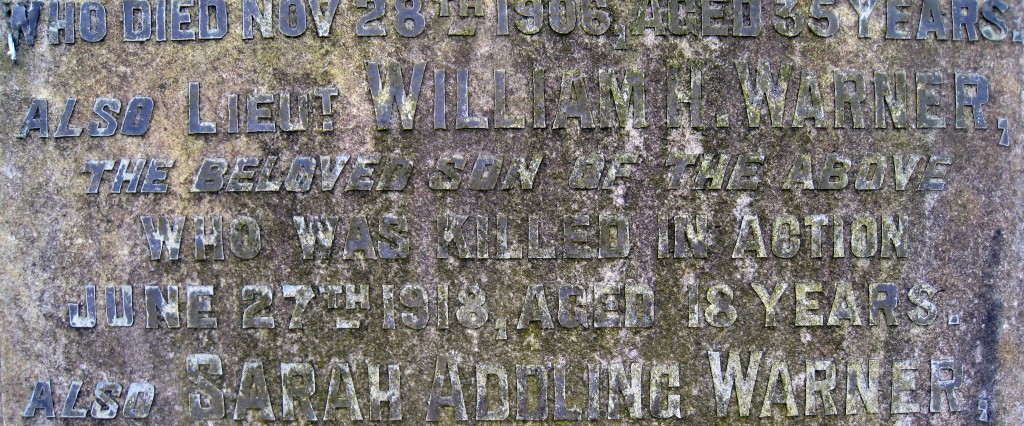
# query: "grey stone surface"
964,243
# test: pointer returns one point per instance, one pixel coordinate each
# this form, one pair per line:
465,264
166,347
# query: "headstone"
593,211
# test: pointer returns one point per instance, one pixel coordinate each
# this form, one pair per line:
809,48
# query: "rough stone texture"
966,241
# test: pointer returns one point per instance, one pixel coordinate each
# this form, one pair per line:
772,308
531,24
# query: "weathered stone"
371,210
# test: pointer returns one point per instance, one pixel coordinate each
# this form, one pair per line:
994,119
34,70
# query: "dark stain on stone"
990,332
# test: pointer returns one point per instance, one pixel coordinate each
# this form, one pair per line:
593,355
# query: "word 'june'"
442,306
